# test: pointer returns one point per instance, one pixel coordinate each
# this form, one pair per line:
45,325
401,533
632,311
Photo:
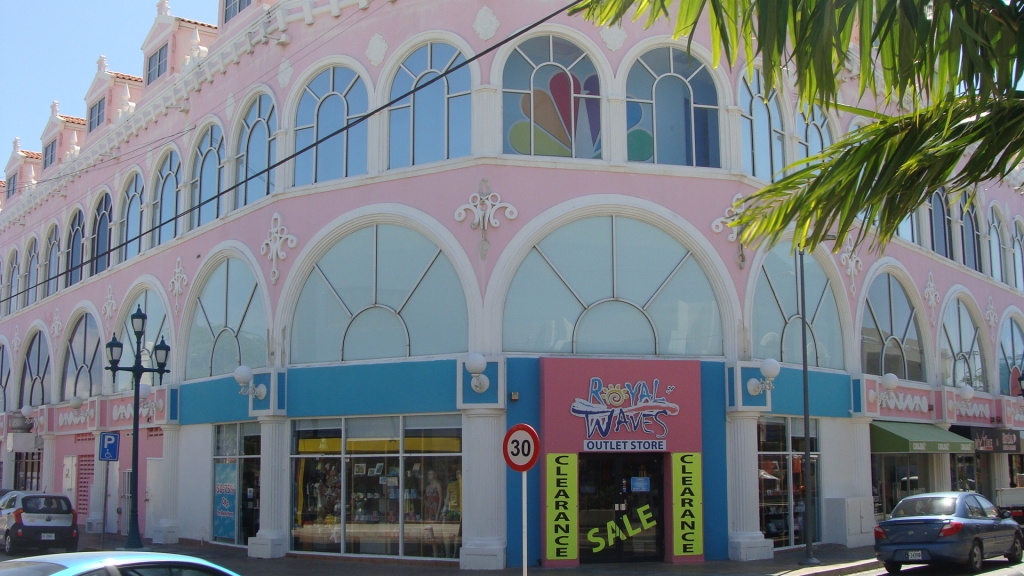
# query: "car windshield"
23,568
45,505
928,506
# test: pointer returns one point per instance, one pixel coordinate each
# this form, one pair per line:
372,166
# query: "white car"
112,564
36,520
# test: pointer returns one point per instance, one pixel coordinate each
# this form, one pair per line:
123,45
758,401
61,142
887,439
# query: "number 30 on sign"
521,447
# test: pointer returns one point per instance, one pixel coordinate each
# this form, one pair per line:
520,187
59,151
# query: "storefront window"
782,482
27,470
968,473
382,486
896,476
236,464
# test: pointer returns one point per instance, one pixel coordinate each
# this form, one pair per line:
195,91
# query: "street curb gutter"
834,569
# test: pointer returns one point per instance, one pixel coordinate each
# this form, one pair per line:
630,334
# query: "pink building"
352,197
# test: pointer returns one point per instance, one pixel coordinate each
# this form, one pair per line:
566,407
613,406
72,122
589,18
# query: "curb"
834,569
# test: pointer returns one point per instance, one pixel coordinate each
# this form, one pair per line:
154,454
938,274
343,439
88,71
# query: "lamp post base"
810,561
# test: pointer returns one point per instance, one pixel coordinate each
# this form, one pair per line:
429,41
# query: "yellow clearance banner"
687,504
562,507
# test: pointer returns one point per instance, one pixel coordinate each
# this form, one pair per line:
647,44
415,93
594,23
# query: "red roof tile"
32,155
72,119
121,76
197,23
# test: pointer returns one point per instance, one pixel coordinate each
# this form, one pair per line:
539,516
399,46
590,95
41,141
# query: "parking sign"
110,442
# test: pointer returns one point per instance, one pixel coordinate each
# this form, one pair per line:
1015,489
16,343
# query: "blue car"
941,527
112,564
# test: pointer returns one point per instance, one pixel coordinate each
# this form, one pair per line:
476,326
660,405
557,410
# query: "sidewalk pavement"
835,561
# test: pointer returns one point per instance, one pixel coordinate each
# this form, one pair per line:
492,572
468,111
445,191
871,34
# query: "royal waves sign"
624,408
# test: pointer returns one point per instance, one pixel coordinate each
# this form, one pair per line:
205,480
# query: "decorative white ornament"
56,327
177,284
376,50
16,341
109,306
486,23
990,315
852,262
485,205
273,246
731,214
931,296
284,73
229,104
613,37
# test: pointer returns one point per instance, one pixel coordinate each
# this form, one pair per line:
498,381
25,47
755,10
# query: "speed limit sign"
522,447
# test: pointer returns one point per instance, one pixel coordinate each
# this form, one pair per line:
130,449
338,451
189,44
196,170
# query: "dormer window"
233,7
12,185
157,65
50,154
96,112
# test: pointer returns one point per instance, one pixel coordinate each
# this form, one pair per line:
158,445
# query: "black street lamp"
160,352
809,516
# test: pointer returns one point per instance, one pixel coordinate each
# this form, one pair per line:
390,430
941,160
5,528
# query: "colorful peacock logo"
563,116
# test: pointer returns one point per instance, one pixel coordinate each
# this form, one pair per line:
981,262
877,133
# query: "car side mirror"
1005,514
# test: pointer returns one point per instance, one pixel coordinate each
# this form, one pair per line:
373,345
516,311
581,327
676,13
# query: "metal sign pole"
103,529
524,522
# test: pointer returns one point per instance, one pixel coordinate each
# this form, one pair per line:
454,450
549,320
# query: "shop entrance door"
621,516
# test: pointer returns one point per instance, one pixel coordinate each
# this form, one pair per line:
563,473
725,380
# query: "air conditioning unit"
94,525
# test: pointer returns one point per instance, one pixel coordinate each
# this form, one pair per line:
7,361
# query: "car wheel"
1017,551
9,548
975,558
893,567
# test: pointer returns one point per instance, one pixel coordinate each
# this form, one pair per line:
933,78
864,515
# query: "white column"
940,473
272,539
746,541
487,133
483,490
166,531
7,457
615,149
1000,471
49,464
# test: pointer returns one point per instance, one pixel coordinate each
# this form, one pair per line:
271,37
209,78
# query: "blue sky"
49,52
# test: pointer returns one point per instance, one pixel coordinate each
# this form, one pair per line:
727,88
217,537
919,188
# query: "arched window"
6,391
611,285
962,362
35,371
229,327
383,291
435,123
52,280
890,338
207,177
156,329
31,272
763,133
671,110
1018,257
552,100
942,225
75,250
812,132
1011,357
256,151
13,283
777,325
332,100
102,234
971,238
996,245
83,361
131,225
167,206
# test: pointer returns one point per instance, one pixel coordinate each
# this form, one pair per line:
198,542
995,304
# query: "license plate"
914,555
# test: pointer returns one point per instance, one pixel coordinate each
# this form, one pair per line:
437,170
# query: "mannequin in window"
453,513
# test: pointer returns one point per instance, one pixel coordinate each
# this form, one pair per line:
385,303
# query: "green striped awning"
908,437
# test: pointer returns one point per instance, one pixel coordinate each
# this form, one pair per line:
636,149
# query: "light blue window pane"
659,60
402,84
517,72
776,115
225,354
209,185
878,296
743,98
581,251
747,127
257,162
213,298
168,210
252,113
320,85
342,79
319,324
304,161
639,83
271,176
705,129
762,141
200,343
564,51
995,253
356,97
672,108
540,312
777,154
400,146
375,333
585,73
816,283
686,314
441,55
768,322
241,285
828,333
348,266
330,152
357,149
703,86
967,328
252,335
132,230
460,80
645,256
684,63
792,340
429,121
781,269
418,62
587,139
513,117
614,328
402,257
436,313
537,50
460,126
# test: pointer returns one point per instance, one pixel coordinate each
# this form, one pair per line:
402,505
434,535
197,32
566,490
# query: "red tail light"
951,528
879,533
17,515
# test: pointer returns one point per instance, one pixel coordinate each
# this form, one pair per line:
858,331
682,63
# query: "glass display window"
433,486
896,476
236,490
317,503
781,480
